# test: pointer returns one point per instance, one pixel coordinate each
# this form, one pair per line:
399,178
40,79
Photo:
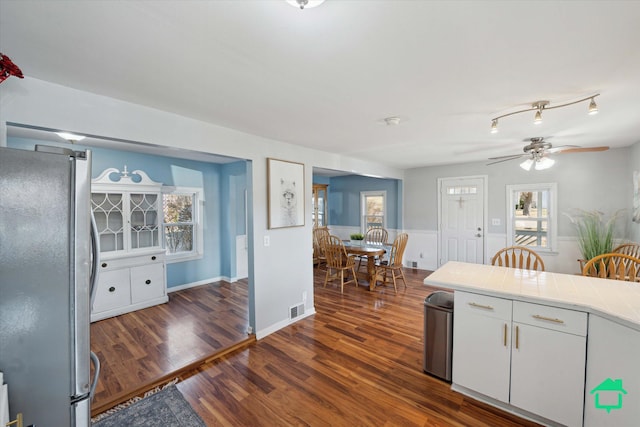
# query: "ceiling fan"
538,151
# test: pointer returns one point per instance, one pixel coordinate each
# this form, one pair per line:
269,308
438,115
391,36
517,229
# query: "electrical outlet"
267,241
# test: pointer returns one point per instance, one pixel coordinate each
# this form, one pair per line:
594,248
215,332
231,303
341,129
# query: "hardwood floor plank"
357,361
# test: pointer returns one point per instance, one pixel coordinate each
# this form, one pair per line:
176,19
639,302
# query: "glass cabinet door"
108,211
319,204
144,220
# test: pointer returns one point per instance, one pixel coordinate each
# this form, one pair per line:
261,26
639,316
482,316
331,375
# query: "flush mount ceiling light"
540,106
392,121
305,4
70,136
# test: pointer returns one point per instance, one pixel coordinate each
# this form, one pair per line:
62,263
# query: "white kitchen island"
559,349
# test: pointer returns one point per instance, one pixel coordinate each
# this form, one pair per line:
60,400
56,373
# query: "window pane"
375,205
177,208
179,238
531,233
532,204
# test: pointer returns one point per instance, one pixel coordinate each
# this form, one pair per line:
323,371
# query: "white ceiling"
326,77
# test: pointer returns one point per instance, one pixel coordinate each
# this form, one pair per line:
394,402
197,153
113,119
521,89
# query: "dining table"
371,251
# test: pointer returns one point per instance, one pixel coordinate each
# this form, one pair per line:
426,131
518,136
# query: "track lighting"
593,107
539,106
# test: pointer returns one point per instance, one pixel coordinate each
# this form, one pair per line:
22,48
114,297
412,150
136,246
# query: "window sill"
171,259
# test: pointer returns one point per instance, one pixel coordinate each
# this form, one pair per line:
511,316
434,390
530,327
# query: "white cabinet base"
504,406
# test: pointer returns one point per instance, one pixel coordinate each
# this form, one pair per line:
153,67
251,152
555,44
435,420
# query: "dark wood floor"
357,361
141,349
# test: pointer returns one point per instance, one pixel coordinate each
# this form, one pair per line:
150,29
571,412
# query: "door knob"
478,235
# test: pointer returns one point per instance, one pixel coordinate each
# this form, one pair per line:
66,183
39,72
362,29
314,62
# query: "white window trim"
198,217
363,208
552,226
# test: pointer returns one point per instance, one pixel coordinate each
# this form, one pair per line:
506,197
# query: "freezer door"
42,327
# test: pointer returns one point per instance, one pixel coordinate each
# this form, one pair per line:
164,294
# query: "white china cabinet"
127,207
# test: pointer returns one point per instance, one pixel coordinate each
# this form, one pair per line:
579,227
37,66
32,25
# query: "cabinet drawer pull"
549,319
517,337
486,307
104,264
148,281
504,336
112,289
153,258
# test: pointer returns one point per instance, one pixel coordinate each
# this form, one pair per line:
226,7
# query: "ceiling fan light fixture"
305,4
526,165
593,107
544,163
494,126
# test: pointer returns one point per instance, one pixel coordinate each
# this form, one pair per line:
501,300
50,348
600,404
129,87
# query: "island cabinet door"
548,351
481,344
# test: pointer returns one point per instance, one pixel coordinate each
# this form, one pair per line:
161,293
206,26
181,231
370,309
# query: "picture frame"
285,193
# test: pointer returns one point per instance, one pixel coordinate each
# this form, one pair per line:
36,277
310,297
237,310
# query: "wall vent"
296,311
414,264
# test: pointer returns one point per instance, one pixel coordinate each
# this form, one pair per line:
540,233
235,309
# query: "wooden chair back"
613,266
319,234
397,250
518,257
632,249
335,252
376,235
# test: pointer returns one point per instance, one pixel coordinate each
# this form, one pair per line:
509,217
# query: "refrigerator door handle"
95,260
96,374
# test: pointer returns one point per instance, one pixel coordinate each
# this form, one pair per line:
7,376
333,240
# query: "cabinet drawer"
557,319
113,290
482,304
113,263
147,282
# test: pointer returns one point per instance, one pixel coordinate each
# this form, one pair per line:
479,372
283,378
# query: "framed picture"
636,197
285,193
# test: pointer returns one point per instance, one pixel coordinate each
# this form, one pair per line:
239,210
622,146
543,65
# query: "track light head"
593,107
494,126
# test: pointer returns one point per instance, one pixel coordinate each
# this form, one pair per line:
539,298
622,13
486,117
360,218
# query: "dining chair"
632,249
393,264
338,262
614,266
518,257
376,236
319,235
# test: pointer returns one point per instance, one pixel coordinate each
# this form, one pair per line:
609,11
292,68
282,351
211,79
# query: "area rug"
166,408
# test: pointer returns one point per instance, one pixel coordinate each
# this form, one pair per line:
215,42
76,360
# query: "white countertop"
615,300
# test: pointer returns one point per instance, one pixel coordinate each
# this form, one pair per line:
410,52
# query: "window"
372,210
182,227
532,216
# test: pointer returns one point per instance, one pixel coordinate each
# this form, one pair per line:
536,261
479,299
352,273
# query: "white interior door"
462,219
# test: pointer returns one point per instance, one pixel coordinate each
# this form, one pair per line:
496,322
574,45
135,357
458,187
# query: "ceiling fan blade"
583,149
505,159
561,148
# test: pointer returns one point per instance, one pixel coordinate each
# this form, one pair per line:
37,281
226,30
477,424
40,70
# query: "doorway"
462,213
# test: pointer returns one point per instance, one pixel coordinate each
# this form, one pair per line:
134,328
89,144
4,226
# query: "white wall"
585,180
281,272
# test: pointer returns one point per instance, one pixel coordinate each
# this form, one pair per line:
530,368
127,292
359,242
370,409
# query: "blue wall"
220,223
344,198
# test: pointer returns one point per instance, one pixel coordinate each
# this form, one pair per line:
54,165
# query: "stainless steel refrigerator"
46,264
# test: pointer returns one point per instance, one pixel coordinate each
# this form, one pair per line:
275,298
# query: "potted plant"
356,238
595,233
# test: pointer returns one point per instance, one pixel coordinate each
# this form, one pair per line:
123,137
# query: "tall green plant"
595,233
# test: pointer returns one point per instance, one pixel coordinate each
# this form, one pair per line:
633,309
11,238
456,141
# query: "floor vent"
414,264
296,311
